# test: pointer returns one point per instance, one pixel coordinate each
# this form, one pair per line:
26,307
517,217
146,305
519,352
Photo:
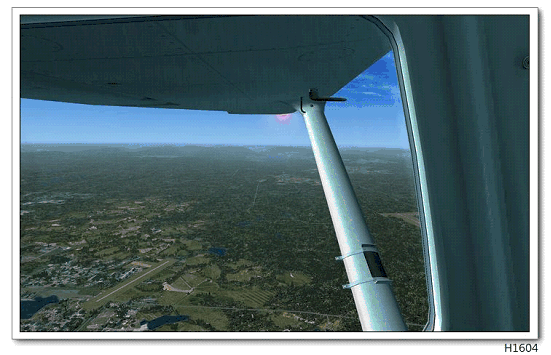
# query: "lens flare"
283,119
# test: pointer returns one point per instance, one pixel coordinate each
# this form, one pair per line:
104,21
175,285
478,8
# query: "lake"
218,251
157,322
29,308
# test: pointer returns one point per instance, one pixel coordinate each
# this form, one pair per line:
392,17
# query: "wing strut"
371,288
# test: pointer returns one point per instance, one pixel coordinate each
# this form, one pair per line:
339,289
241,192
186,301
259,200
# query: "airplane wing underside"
238,64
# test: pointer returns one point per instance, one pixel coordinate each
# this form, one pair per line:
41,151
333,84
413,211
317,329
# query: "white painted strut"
371,289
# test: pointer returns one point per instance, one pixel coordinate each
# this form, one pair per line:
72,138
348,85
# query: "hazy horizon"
157,144
372,116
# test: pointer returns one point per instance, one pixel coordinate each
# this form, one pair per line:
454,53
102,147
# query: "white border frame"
534,165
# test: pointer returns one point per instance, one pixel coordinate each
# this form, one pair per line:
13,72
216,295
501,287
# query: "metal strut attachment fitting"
313,94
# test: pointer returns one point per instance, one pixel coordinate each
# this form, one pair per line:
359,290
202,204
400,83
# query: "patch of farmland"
181,284
212,272
192,278
108,251
192,244
171,251
197,260
240,262
244,275
214,317
284,321
294,278
251,297
409,217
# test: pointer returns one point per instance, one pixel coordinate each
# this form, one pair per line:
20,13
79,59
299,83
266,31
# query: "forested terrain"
262,211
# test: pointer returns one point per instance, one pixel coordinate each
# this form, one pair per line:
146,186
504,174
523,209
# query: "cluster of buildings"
76,275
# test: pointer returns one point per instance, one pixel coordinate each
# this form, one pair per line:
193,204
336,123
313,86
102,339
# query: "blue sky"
372,116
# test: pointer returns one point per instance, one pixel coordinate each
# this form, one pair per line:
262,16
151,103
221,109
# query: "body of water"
157,322
29,308
218,251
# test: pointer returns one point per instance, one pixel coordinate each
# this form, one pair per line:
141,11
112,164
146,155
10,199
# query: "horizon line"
200,144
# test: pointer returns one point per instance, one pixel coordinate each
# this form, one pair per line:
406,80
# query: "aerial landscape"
195,238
